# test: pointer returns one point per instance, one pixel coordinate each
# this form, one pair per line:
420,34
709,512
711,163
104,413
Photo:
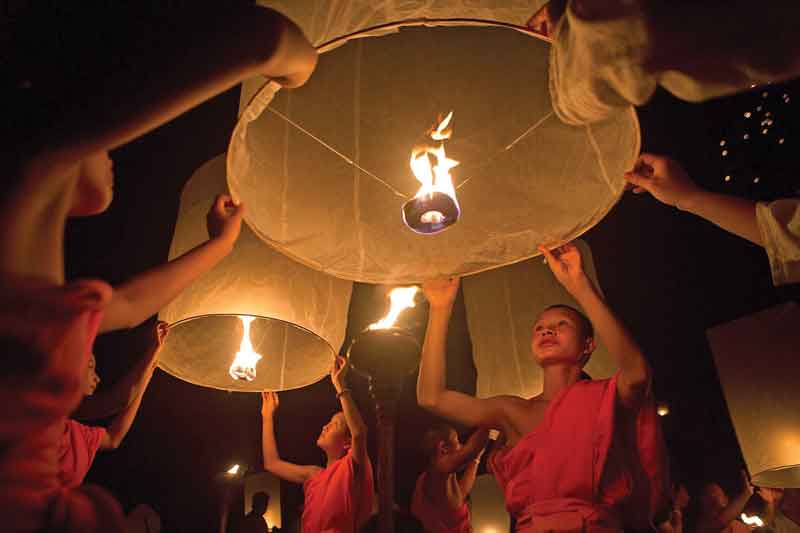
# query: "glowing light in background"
233,470
752,520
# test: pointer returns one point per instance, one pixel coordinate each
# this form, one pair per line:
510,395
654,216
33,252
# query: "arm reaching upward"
634,380
668,182
467,479
272,461
356,425
730,513
122,423
432,391
137,299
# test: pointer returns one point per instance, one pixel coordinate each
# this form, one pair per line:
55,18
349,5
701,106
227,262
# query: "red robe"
583,470
435,519
51,341
337,500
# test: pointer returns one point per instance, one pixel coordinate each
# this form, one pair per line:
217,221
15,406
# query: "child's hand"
224,219
664,178
441,292
269,403
566,264
339,373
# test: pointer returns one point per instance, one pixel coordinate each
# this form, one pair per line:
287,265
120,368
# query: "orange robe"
435,519
337,499
581,469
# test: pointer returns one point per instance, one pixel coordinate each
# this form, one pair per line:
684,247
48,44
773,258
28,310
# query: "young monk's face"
95,187
91,379
452,444
714,497
334,433
557,338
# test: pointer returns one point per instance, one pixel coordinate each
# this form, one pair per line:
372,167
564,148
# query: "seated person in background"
80,443
337,498
254,521
774,225
440,496
717,513
608,54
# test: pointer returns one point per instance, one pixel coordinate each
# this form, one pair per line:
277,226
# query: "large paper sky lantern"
757,363
279,320
501,308
326,168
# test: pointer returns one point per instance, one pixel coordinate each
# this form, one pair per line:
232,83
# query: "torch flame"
244,364
752,520
401,299
435,178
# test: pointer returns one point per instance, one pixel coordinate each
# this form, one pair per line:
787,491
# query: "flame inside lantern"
752,520
434,207
401,299
244,364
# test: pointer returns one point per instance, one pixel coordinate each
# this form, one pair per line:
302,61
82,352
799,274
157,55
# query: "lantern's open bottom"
200,350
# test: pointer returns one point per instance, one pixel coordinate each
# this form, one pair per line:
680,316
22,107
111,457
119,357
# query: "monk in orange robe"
584,455
338,498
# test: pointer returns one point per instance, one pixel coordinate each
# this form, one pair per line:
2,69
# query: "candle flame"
401,299
436,177
233,470
244,364
752,520
662,409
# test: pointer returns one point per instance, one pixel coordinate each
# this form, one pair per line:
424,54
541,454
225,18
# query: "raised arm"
142,296
356,425
109,402
634,380
272,461
432,391
214,52
668,182
730,513
122,423
472,459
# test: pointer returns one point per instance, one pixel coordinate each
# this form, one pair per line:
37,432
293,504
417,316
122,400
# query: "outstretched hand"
566,264
339,373
441,292
269,403
224,219
664,178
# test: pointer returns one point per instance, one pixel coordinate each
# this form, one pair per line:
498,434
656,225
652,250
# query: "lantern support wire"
338,153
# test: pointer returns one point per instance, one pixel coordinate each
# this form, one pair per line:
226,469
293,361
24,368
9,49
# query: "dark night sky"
669,275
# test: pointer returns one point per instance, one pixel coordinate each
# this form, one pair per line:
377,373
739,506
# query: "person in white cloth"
608,54
773,225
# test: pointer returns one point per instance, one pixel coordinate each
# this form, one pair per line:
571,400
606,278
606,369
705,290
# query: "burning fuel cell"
434,208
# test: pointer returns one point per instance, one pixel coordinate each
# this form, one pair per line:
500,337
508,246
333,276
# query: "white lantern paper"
269,484
501,307
487,506
302,313
758,367
326,167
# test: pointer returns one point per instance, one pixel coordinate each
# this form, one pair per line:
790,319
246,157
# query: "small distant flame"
662,409
752,520
401,299
244,364
435,178
233,470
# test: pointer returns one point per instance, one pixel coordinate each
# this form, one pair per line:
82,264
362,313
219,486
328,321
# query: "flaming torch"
385,355
244,364
434,208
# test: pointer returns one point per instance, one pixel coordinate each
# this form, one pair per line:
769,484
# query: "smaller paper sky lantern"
756,359
256,321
